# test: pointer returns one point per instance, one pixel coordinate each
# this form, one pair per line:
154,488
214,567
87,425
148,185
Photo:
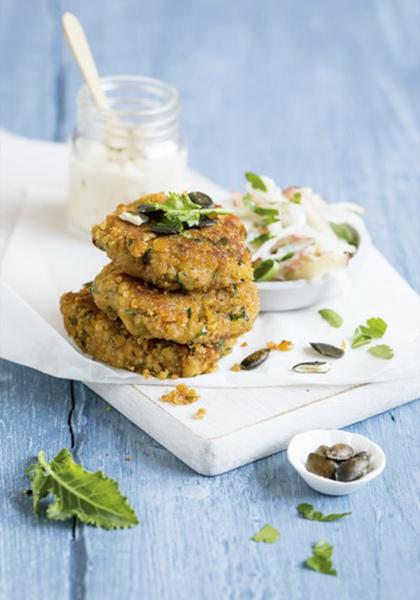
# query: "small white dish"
303,444
277,296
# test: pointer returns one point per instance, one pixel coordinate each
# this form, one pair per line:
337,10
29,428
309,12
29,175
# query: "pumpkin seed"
312,367
339,452
162,228
201,199
354,468
320,465
327,350
133,218
255,359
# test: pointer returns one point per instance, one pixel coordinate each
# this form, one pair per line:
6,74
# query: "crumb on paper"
244,344
146,374
128,458
236,367
200,414
283,346
343,344
182,394
108,408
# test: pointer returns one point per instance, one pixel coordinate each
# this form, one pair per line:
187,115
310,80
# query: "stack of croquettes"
177,294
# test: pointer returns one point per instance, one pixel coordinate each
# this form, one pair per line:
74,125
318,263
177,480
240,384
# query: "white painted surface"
243,425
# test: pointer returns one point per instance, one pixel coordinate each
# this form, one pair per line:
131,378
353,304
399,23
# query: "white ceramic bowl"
303,444
276,296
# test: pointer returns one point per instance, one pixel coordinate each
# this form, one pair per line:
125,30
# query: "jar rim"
166,93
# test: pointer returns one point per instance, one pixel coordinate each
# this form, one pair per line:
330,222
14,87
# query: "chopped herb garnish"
307,511
382,351
179,212
261,239
267,534
203,331
266,271
91,497
237,316
131,312
189,312
286,256
145,257
333,318
347,233
269,215
374,329
182,287
320,560
256,182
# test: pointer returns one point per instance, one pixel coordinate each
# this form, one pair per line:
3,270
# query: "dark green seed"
201,199
255,359
327,350
147,208
163,228
205,222
339,452
354,468
320,465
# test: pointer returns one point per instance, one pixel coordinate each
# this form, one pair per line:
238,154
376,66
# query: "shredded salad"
294,233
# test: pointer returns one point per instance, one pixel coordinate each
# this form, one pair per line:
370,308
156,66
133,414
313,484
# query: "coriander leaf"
266,271
359,338
333,318
382,351
347,233
307,511
91,497
180,210
375,328
267,534
260,240
256,182
320,560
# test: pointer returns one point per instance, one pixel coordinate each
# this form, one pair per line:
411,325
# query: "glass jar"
120,154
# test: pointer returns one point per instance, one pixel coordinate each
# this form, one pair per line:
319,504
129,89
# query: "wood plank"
311,93
35,556
31,85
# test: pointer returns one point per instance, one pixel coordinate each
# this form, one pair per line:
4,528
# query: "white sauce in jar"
101,177
120,154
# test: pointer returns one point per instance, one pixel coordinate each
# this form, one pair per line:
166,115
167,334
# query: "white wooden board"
243,425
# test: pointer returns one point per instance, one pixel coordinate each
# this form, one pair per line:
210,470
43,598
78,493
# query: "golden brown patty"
204,317
109,341
209,258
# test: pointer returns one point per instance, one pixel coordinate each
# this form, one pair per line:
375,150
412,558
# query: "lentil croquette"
108,340
197,317
196,260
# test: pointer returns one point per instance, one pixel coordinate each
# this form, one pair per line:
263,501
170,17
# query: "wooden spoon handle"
79,45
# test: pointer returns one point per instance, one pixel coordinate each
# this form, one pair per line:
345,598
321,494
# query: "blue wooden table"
323,93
